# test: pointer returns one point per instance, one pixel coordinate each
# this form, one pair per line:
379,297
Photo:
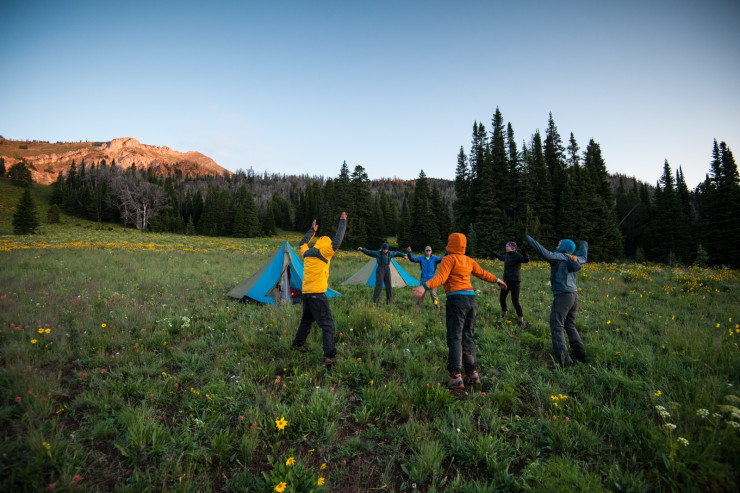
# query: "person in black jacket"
513,261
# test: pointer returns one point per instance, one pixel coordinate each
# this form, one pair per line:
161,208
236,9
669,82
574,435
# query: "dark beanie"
511,244
384,246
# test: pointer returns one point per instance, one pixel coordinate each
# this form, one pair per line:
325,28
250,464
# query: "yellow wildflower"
103,325
320,482
281,423
281,487
33,341
290,461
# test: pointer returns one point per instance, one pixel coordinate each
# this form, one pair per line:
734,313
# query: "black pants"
514,290
462,310
316,309
383,274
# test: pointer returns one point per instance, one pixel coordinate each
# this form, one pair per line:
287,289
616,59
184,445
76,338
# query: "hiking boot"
504,314
472,379
580,357
522,323
328,362
302,349
456,382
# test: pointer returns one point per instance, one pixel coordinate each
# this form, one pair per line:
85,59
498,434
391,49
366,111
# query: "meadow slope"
125,368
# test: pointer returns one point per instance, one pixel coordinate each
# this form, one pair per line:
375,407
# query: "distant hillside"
46,160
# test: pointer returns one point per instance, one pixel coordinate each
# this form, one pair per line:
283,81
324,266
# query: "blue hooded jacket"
428,265
563,264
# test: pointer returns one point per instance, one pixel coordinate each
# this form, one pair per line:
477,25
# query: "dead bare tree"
139,201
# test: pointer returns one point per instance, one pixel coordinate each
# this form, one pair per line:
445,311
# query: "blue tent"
279,280
399,277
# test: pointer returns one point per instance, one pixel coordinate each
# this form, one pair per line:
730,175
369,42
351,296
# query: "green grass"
144,376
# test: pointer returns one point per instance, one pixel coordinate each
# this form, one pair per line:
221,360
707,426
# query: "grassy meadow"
125,368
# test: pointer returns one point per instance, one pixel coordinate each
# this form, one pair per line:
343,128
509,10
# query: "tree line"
547,188
550,190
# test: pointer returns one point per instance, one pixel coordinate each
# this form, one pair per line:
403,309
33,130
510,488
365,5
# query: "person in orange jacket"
461,308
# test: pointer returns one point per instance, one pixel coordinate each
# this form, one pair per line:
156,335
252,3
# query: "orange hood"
456,243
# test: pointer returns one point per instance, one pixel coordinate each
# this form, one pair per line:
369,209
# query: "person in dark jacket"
513,261
316,308
428,266
383,271
563,267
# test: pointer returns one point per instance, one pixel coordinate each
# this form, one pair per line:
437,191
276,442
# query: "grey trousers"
563,318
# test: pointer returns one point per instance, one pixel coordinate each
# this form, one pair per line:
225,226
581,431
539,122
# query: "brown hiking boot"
302,349
456,382
328,362
472,379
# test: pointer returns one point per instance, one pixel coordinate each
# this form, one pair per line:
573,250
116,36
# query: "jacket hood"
322,242
566,246
456,243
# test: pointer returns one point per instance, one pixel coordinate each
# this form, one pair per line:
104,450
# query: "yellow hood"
322,242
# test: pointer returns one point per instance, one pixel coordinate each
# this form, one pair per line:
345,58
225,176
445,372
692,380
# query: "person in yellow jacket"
316,262
462,308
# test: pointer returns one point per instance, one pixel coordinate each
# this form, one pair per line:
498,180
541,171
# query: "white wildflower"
669,426
682,441
702,413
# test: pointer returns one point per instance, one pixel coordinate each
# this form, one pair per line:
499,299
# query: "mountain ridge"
46,160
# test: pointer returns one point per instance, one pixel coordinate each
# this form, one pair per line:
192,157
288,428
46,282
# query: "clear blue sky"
394,86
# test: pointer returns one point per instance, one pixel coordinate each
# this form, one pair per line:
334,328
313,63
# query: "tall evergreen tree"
25,220
666,216
554,154
440,215
424,227
461,205
540,198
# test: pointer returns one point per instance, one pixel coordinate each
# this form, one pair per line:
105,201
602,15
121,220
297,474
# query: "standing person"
513,261
563,268
462,308
315,283
428,266
383,271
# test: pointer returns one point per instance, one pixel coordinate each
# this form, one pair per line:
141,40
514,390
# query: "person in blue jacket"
383,271
428,267
563,267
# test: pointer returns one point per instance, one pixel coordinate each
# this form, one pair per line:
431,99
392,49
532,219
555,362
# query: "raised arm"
497,255
337,241
543,252
303,245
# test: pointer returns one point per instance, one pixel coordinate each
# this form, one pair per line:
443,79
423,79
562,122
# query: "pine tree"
268,226
25,220
405,236
666,216
424,227
252,218
2,167
241,228
440,217
719,200
53,214
20,174
461,205
359,223
554,154
540,199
